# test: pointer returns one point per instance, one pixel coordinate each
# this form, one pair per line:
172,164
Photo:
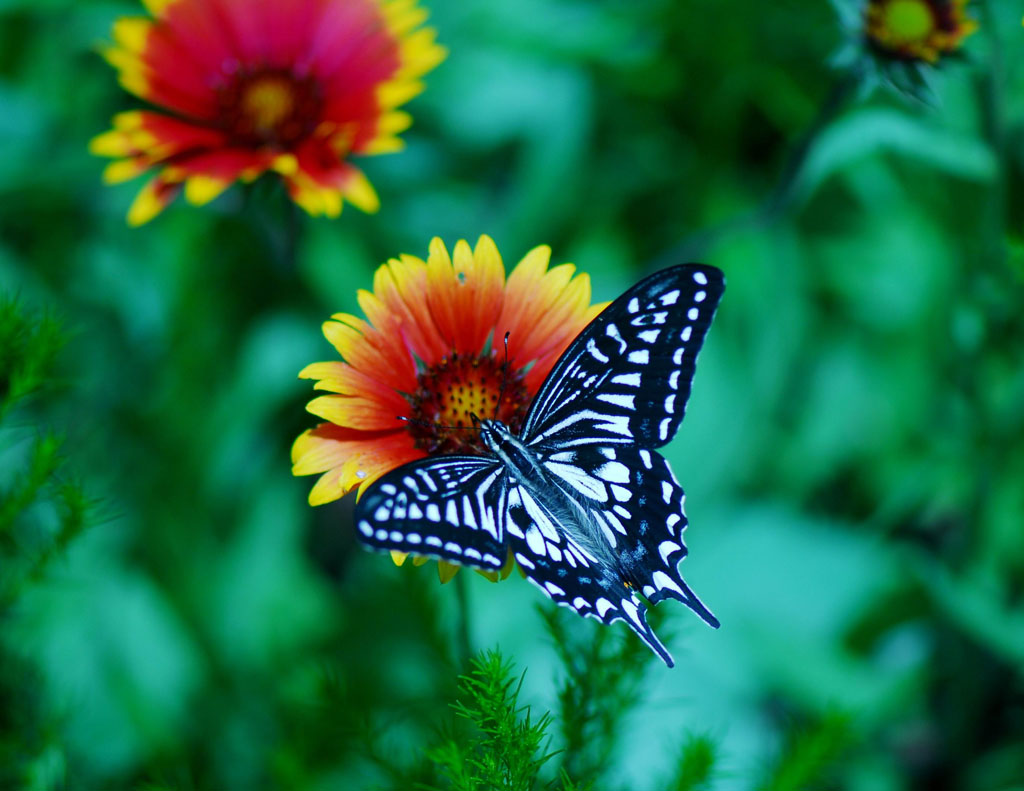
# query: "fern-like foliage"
41,512
494,742
810,754
604,672
695,768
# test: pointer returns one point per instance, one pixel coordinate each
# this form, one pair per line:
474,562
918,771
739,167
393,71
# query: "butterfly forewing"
626,378
448,507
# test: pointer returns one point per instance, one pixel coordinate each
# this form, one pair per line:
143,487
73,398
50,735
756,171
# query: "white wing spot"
467,511
415,512
621,493
382,535
677,358
595,352
666,491
554,552
433,512
700,296
650,336
663,580
622,511
645,457
614,424
414,538
624,401
365,529
535,541
649,590
451,513
524,561
579,603
666,548
396,536
692,314
613,472
671,523
434,541
632,380
634,305
614,521
553,589
613,332
381,513
388,488
673,380
670,403
700,277
580,481
664,427
451,546
684,336
670,297
490,560
630,609
640,357
603,606
471,553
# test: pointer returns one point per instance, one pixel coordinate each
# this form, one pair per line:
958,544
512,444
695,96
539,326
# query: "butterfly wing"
634,500
567,571
446,507
625,380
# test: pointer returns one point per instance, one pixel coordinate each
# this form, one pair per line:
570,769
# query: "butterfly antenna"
428,424
504,378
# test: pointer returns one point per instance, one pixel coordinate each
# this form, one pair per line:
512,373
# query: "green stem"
462,627
992,82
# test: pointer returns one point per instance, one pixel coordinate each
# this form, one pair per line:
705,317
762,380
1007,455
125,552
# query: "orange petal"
358,412
153,199
379,356
465,295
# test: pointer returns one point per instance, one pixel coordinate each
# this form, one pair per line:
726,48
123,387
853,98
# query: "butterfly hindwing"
566,570
626,378
637,503
447,507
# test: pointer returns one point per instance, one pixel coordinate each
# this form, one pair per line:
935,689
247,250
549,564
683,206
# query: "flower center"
453,391
269,107
908,21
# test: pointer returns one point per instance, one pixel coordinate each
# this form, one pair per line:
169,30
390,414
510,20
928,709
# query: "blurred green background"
853,451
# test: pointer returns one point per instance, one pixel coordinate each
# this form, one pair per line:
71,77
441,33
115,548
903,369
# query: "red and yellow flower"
917,30
430,354
290,86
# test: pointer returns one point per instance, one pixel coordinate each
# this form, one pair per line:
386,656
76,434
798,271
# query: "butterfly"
590,510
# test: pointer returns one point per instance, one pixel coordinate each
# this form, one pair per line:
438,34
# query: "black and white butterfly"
592,513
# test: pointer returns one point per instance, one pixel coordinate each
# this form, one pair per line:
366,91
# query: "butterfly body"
589,509
571,513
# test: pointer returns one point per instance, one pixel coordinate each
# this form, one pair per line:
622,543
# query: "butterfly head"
496,435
